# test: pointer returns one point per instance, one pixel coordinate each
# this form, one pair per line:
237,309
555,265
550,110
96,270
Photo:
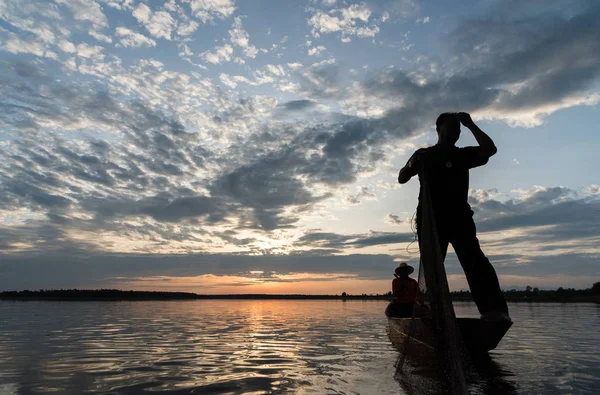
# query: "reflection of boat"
477,334
419,369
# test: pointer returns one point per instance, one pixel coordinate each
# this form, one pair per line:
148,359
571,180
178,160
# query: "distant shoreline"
559,296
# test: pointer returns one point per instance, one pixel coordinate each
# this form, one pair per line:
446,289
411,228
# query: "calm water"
270,347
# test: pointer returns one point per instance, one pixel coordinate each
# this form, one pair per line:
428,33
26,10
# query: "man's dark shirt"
448,176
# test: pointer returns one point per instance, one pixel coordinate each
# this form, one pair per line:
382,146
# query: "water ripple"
266,347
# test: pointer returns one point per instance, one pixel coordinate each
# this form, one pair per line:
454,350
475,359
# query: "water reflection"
487,376
272,347
419,370
203,346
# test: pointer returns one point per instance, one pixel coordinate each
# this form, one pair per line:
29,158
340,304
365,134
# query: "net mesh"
434,293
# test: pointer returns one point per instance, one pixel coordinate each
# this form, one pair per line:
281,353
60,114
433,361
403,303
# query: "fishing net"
439,313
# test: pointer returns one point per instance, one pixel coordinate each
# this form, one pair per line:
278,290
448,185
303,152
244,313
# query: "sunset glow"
254,147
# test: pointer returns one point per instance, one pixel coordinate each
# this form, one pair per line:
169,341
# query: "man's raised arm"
488,148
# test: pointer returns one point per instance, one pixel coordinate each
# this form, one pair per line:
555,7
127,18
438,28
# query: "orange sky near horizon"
330,284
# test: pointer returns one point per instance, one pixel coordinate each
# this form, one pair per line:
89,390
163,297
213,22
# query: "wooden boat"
478,335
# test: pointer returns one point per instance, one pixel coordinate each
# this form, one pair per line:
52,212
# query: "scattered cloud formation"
86,10
167,136
220,55
316,51
350,21
128,39
159,24
208,10
363,194
239,37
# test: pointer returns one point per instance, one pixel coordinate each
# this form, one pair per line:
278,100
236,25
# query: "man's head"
448,128
404,270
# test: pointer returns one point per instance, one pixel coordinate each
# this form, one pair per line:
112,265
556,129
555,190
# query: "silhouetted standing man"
447,168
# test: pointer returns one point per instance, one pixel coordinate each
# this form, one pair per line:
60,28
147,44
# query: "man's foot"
495,316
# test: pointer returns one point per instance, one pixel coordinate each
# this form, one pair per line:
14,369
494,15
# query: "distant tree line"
535,294
95,294
115,294
528,294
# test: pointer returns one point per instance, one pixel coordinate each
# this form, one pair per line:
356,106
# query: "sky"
221,146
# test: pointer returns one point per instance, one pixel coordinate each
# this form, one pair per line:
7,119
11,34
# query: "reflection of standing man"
447,168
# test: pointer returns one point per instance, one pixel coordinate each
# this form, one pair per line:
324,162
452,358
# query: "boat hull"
478,335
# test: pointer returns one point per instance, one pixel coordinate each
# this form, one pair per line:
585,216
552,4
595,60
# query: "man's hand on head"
486,144
465,118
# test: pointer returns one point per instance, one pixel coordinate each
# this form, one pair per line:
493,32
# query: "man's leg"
480,274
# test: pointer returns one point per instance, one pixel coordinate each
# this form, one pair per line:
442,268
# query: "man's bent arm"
405,174
485,142
409,170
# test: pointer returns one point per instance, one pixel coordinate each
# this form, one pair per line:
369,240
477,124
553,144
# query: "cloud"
402,10
550,213
51,24
220,55
238,36
15,45
593,190
516,81
60,269
121,5
86,10
142,13
99,36
363,194
90,51
337,152
393,219
186,29
227,80
251,190
68,106
67,46
207,10
316,51
139,157
344,20
297,105
268,74
128,39
89,269
267,188
280,178
339,241
159,24
521,69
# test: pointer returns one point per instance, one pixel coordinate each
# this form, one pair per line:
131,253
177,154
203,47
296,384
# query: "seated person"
405,290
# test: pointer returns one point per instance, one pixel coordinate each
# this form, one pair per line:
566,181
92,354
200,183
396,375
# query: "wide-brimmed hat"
403,268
